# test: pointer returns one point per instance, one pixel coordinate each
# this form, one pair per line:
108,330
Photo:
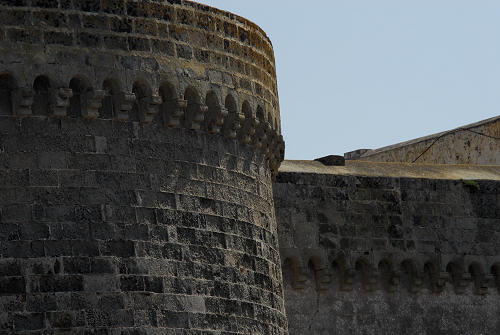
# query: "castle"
143,191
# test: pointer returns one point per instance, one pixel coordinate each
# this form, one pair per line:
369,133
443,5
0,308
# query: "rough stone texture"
138,144
368,253
138,141
158,229
477,143
170,51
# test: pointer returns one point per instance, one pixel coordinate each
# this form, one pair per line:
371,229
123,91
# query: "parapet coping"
396,170
429,137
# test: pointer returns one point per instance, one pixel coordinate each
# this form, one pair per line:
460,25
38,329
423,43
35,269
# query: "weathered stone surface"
477,143
123,207
371,248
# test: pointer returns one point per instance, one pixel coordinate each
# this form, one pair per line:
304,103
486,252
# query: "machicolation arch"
390,275
144,104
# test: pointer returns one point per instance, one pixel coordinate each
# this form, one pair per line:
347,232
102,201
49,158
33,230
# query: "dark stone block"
100,22
15,17
203,56
139,44
111,302
45,3
76,265
9,268
87,5
113,6
12,285
172,251
121,25
115,42
131,62
89,40
154,284
24,35
173,319
23,249
16,3
184,51
28,321
54,37
150,64
54,283
41,303
118,248
132,283
102,266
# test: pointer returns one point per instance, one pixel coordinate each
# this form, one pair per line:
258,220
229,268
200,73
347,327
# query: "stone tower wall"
138,141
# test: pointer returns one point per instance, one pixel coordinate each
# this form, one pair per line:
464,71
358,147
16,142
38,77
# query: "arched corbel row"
78,97
391,274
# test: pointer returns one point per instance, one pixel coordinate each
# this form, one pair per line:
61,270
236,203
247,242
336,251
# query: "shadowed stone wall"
368,254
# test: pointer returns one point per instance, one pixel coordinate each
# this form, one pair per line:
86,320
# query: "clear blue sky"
364,74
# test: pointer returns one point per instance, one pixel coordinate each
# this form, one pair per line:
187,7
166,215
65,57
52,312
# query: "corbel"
59,101
194,120
217,121
124,103
173,112
248,130
92,102
22,99
149,108
235,123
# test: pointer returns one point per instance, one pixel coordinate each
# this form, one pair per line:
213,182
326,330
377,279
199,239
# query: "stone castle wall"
138,141
477,143
368,253
138,145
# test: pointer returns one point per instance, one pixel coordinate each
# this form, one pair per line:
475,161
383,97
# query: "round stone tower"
138,142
